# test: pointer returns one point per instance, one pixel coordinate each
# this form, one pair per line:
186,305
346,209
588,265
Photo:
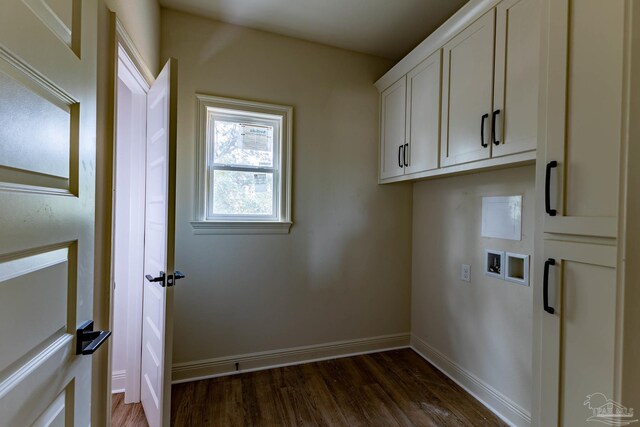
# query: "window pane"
242,193
242,144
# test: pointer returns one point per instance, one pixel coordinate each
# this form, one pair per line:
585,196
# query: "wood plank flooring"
129,415
394,388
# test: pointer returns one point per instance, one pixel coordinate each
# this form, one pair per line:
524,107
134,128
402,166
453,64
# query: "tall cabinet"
505,82
581,168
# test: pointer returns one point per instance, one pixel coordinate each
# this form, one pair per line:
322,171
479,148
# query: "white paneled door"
47,187
157,330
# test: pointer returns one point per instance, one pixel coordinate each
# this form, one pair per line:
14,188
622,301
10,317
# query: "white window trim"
200,224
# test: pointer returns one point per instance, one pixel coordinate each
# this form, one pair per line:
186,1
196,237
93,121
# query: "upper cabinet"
423,115
409,121
515,90
392,128
473,102
468,84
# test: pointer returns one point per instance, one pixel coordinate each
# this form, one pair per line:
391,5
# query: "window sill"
240,227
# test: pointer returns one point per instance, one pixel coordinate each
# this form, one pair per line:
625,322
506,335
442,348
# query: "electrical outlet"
465,275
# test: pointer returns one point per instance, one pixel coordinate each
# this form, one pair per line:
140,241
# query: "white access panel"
502,217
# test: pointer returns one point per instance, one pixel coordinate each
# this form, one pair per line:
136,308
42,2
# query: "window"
244,167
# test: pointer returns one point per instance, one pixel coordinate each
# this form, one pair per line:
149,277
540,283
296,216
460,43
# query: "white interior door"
157,325
47,187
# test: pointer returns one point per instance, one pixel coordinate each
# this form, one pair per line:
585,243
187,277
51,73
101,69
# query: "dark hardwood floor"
394,388
130,415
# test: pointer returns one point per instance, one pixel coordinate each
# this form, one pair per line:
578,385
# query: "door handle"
545,286
160,278
88,340
400,156
404,154
493,127
177,275
547,188
484,117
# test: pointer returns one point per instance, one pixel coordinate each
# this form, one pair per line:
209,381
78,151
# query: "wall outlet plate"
465,273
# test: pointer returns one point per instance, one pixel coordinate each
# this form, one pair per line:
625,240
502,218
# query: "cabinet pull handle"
400,155
493,127
404,154
545,286
484,117
547,188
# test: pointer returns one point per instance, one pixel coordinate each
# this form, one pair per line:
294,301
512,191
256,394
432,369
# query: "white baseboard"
118,381
499,404
211,368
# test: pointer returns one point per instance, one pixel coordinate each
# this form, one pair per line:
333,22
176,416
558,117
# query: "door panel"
157,329
467,90
423,123
579,339
393,110
584,136
516,76
588,336
47,185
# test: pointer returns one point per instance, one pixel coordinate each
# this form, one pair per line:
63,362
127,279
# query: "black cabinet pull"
400,156
404,154
484,117
547,189
493,127
545,286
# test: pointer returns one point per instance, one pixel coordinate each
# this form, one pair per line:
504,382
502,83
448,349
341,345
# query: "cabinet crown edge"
464,17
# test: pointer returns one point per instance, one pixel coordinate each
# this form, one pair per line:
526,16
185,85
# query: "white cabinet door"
392,137
515,96
423,110
468,93
578,358
584,116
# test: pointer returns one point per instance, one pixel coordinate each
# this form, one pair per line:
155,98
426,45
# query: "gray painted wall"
483,326
344,271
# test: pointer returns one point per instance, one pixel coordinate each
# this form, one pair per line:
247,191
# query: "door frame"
111,35
135,80
126,51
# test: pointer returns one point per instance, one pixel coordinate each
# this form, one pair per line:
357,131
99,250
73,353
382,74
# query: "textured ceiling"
386,28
